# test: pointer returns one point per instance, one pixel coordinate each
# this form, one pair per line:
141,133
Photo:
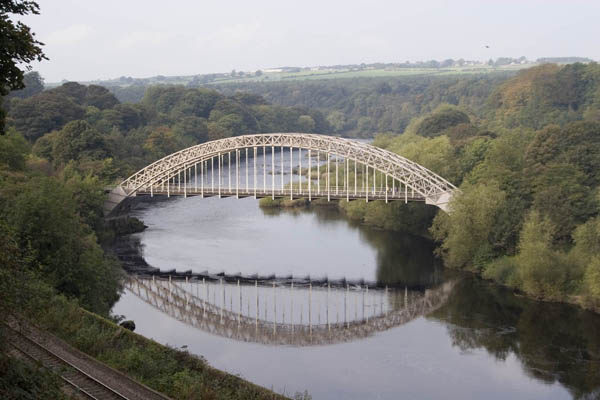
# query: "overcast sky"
88,40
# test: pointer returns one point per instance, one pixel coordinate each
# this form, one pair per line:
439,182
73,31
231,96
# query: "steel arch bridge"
282,315
344,169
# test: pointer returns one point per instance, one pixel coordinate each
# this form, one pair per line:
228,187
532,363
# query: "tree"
17,46
465,233
442,118
78,140
306,123
42,113
541,269
46,219
13,150
33,84
337,120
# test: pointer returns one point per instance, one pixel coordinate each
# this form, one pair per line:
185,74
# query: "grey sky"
88,40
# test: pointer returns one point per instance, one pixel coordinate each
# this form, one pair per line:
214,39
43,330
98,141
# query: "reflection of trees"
555,342
402,259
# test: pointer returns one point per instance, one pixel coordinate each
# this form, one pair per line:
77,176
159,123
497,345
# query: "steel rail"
78,377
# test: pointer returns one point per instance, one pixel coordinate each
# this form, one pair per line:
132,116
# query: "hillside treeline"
88,125
365,106
524,150
61,148
529,175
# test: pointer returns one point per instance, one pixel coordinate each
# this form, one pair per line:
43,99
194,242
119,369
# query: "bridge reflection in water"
286,313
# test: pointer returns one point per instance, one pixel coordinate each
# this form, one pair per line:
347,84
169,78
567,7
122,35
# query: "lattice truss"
173,300
423,181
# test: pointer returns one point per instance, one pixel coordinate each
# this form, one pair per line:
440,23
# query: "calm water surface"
482,342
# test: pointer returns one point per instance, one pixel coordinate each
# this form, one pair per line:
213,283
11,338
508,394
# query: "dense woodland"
524,150
528,170
364,107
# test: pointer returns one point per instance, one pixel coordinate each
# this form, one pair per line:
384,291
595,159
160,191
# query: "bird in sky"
487,47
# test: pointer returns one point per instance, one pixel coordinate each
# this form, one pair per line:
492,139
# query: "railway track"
82,383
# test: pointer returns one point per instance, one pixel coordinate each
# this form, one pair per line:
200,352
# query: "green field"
364,73
302,74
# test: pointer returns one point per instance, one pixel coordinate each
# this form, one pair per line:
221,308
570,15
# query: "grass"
176,373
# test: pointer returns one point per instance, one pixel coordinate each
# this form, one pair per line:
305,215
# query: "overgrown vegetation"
365,106
174,372
527,163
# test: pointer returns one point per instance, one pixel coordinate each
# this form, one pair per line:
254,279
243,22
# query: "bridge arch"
241,314
424,184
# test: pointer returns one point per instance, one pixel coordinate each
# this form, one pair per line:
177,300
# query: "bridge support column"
328,186
151,190
229,171
367,183
318,172
272,172
386,189
374,181
347,180
405,194
300,171
281,161
254,181
291,173
202,179
264,169
237,174
355,178
168,188
337,186
212,174
309,177
196,177
220,162
184,182
247,187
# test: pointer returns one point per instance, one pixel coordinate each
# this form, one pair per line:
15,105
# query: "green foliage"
577,143
396,216
52,109
20,380
13,150
465,233
33,84
173,372
560,194
543,272
442,118
42,113
78,140
543,95
503,270
17,43
364,106
592,280
45,219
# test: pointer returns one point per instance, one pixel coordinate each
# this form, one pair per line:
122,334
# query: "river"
453,336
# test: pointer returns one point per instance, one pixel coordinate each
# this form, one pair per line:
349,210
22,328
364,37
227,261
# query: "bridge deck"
284,194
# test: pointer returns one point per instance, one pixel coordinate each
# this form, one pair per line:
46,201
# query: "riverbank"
416,220
173,372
